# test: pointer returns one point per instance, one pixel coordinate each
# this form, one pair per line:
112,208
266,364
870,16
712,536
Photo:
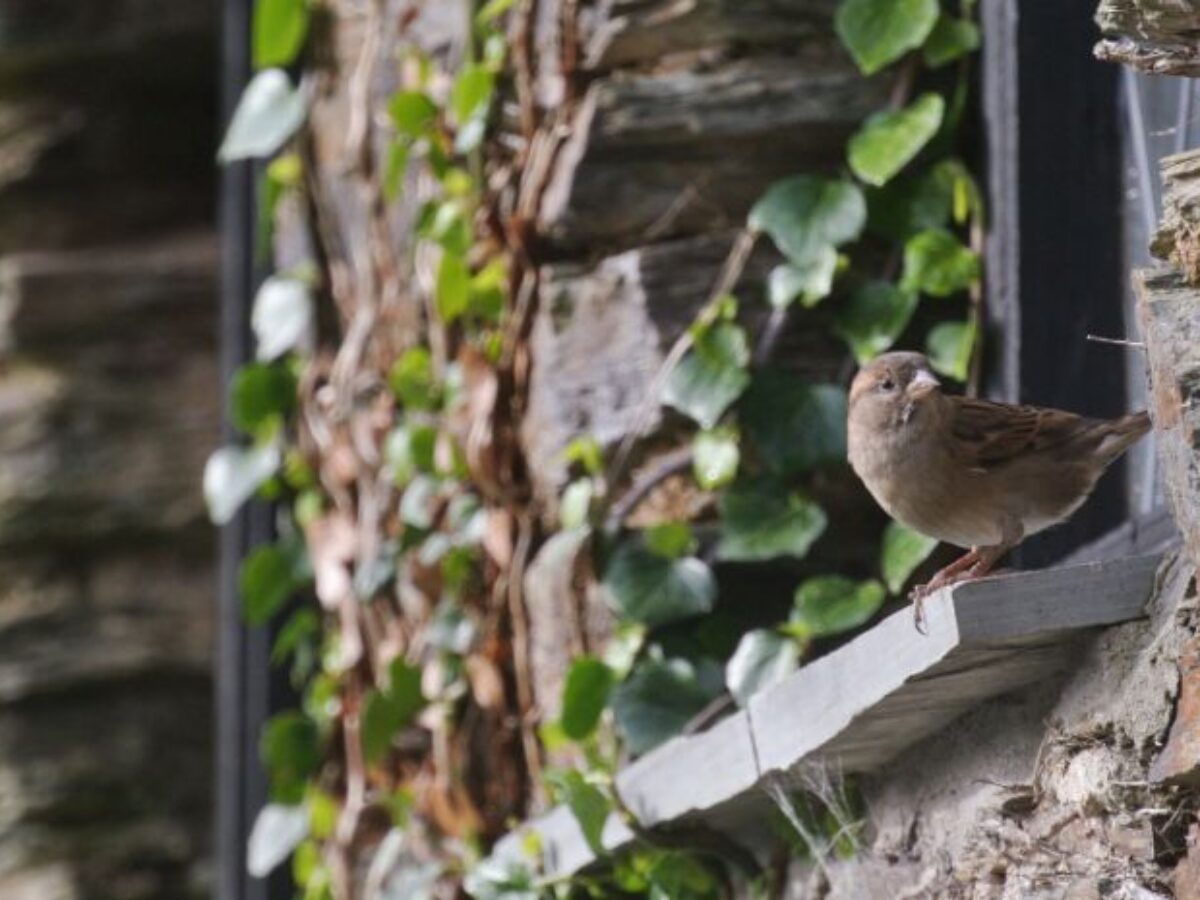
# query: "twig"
523,52
772,331
673,463
1118,342
520,647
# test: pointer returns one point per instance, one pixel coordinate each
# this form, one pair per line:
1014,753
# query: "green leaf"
585,694
888,141
585,451
711,376
269,112
903,550
472,92
762,658
265,582
715,457
811,282
671,540
877,32
911,203
413,113
833,604
794,425
951,39
395,168
233,474
576,503
412,381
453,287
282,318
761,520
586,802
650,588
290,751
280,27
873,318
493,9
950,346
261,397
678,875
658,699
278,830
387,711
936,263
806,215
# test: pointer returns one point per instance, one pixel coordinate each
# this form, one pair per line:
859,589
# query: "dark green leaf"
888,141
936,263
290,752
806,216
832,604
762,658
811,282
453,287
761,520
873,318
677,875
877,32
711,376
265,580
280,27
903,550
261,397
911,203
950,346
411,380
387,711
650,588
278,830
671,540
585,694
950,39
715,457
658,698
413,113
794,425
233,474
586,802
269,112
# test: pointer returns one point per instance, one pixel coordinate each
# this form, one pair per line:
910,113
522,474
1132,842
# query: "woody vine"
381,418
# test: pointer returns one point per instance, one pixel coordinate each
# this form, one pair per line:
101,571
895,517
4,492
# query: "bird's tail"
1120,434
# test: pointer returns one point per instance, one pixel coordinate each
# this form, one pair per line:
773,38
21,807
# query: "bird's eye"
888,384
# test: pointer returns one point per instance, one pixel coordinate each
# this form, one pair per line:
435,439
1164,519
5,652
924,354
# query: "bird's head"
892,389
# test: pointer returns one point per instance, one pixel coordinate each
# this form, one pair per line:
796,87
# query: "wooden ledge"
861,705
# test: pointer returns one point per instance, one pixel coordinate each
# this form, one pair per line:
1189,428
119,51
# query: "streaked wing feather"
990,434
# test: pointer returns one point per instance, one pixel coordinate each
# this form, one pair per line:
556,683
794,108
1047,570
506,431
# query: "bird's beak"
922,385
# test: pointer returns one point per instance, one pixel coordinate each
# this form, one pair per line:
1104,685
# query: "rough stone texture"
1156,36
1178,237
108,406
1042,794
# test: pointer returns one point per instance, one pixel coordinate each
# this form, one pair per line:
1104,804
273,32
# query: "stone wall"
109,401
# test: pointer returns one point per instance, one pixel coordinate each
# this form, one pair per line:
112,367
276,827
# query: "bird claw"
918,595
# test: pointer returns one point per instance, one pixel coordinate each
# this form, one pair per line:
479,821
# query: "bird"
977,474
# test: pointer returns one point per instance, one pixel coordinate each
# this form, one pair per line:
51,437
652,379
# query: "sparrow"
980,475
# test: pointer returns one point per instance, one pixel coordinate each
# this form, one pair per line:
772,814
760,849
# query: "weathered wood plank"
1157,36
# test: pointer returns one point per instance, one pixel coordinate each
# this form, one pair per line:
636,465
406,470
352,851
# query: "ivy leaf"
290,751
794,425
670,540
763,658
873,318
911,203
653,589
832,604
412,381
265,581
659,698
453,287
888,141
711,376
278,830
585,694
715,457
877,32
586,802
387,711
261,398
810,283
280,27
903,550
951,39
233,474
413,113
806,216
269,112
950,346
936,263
282,318
679,875
470,100
761,520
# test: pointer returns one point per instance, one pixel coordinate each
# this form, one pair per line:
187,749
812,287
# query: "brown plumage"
973,473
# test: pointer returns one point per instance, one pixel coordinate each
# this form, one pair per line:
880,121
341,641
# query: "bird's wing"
989,434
